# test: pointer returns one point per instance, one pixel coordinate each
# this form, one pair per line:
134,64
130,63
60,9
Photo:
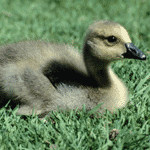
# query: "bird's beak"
133,52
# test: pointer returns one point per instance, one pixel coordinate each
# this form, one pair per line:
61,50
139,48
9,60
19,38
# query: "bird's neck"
98,69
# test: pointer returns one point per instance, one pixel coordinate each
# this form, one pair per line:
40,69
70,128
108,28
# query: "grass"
66,21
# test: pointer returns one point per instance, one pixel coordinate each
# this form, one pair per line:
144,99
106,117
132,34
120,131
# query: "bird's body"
44,76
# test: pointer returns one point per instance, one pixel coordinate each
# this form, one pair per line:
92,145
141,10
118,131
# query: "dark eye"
112,39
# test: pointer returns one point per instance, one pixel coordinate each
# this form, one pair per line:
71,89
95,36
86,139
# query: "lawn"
66,21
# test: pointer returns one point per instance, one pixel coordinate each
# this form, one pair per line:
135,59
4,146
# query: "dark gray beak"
133,52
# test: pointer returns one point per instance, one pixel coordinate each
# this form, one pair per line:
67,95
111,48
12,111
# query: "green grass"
66,21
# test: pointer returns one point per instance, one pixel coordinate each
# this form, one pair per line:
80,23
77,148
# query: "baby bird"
44,76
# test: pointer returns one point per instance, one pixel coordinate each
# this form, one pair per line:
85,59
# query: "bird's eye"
112,39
